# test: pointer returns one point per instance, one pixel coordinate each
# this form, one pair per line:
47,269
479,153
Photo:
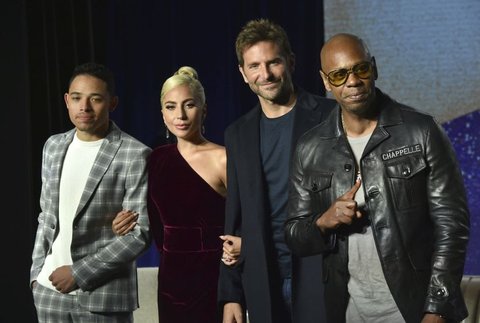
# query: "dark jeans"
287,295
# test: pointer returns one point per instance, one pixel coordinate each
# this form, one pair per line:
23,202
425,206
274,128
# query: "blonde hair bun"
187,71
185,75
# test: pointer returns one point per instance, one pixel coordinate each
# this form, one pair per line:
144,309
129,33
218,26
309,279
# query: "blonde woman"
187,188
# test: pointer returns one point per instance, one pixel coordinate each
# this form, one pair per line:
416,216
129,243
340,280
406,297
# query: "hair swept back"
258,30
185,75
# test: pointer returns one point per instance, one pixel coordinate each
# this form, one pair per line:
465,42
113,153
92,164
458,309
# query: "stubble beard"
280,95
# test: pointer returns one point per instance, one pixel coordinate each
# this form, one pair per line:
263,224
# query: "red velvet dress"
186,218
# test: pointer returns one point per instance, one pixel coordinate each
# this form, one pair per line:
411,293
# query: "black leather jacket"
415,201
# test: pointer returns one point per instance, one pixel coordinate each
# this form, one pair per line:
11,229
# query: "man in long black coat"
259,147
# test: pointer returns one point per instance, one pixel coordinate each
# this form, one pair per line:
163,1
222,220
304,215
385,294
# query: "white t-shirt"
78,162
370,298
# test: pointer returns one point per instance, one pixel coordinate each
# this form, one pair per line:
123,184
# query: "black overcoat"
250,281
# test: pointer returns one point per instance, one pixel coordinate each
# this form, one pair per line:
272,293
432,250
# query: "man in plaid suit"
81,271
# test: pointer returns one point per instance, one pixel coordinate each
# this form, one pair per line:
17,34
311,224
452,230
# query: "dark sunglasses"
363,70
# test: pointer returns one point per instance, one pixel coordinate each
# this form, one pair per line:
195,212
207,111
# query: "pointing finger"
351,193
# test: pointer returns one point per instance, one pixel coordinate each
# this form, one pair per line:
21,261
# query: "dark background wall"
17,194
143,42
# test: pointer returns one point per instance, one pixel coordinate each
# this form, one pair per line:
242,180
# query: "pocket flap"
406,167
316,182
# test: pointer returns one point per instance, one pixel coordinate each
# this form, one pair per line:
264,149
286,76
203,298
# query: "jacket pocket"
318,185
316,181
407,180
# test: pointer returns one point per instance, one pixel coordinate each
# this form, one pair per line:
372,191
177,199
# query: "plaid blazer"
103,264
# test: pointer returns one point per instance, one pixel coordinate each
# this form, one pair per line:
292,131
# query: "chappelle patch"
402,152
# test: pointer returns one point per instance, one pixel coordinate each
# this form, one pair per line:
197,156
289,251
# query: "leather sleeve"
450,217
301,233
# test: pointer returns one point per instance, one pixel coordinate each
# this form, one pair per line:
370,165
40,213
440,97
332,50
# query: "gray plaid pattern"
53,307
103,263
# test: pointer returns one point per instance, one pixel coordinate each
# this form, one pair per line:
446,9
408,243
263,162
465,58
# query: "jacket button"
440,292
406,171
347,167
373,191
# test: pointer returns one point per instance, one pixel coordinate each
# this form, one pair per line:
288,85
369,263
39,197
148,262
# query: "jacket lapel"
389,115
102,162
307,115
250,137
57,163
332,129
304,119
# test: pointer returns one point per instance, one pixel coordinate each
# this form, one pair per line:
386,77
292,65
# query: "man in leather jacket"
377,189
